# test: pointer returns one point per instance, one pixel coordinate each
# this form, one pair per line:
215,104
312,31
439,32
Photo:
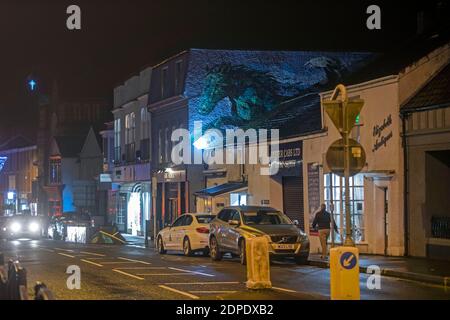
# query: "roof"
397,59
70,146
434,94
16,142
221,189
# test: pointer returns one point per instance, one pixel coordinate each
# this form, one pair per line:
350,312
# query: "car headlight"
33,227
15,227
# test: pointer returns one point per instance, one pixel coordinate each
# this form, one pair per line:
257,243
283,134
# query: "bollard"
344,273
41,292
258,263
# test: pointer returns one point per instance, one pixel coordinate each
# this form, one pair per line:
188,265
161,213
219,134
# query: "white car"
189,233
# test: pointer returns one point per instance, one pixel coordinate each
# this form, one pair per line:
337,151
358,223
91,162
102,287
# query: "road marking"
164,274
91,262
187,294
93,254
48,250
115,262
132,260
65,254
212,291
67,250
140,268
194,272
202,283
127,274
282,289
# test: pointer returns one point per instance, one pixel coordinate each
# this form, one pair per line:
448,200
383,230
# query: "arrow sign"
348,260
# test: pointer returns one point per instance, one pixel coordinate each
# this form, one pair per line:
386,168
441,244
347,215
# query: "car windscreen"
204,219
265,218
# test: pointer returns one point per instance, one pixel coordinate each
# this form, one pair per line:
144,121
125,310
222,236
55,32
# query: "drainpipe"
404,116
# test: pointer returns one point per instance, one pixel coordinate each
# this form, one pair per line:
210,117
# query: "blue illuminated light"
2,162
32,84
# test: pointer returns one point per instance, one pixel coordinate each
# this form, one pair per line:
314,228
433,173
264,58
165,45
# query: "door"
182,231
222,227
172,234
233,232
293,199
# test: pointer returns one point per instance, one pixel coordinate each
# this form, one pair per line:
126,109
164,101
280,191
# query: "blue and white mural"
228,89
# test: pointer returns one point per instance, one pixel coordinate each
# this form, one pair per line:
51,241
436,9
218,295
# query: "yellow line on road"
132,260
93,254
95,264
194,272
114,262
127,274
282,289
65,254
187,294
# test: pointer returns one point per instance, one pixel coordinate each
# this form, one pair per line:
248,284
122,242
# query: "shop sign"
380,134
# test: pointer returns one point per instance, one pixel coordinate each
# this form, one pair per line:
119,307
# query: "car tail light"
202,230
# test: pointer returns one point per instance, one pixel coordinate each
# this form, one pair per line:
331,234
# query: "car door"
171,234
181,231
233,233
222,227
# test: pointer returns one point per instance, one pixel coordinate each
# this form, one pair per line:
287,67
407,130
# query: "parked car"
189,233
57,226
22,226
233,225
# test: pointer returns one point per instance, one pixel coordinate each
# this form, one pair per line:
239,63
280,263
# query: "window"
130,136
145,134
55,170
335,193
164,78
179,222
160,153
167,145
188,220
178,75
236,216
117,129
225,215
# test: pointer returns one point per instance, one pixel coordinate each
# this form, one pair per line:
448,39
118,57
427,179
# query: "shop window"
334,193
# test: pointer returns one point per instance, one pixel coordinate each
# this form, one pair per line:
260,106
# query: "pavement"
133,272
418,269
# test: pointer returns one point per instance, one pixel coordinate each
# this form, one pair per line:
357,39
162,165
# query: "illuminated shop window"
334,192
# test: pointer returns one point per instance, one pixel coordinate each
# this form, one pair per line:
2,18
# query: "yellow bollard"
258,263
344,273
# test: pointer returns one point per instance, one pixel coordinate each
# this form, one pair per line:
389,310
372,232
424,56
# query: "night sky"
119,38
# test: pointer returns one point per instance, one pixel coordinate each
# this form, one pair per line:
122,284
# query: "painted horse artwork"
253,95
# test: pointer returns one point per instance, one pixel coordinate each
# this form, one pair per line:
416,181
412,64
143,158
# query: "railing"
440,227
13,283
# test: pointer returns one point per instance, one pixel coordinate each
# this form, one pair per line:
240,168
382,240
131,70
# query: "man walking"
323,221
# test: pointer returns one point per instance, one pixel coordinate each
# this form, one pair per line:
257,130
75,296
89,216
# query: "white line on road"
165,274
187,294
65,254
213,291
282,289
48,250
67,250
93,254
194,272
132,260
140,268
127,274
202,283
91,262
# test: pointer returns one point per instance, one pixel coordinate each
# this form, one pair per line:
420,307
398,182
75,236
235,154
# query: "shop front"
376,193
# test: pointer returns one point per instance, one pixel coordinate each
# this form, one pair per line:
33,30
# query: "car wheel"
242,252
301,260
214,250
187,247
160,244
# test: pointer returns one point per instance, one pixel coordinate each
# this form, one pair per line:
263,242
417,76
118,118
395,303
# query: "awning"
221,189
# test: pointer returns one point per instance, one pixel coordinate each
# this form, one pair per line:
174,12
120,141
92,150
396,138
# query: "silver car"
233,225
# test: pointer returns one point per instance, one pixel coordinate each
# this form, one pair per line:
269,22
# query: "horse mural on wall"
252,94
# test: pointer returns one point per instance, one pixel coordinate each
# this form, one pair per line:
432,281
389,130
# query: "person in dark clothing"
322,221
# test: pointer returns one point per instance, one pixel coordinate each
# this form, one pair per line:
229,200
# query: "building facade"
18,173
131,175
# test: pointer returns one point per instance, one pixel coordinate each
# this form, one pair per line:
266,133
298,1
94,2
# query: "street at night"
131,272
226,158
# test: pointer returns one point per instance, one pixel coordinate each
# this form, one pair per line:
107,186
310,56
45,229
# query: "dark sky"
118,38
